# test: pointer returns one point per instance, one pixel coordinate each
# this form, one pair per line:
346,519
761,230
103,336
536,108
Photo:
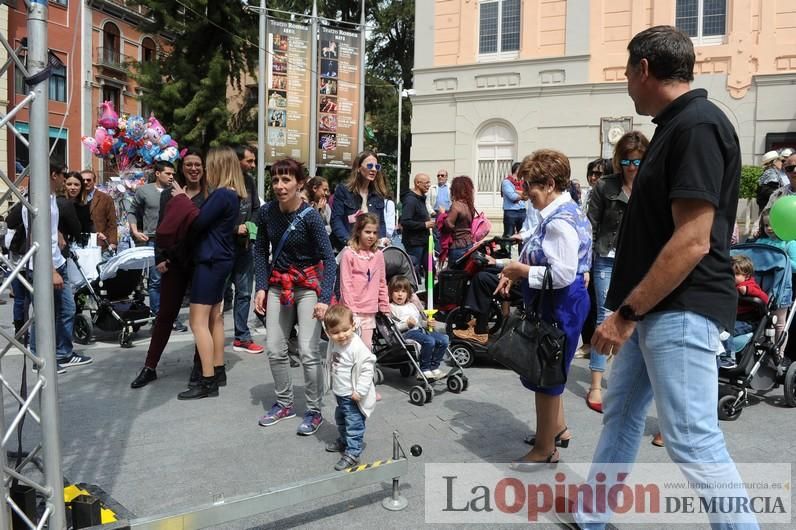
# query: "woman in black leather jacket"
607,205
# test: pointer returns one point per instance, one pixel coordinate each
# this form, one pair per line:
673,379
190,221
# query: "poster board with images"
289,81
339,90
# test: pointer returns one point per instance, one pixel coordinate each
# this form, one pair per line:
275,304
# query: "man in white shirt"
63,298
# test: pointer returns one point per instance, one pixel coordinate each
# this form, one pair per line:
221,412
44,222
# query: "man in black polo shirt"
672,287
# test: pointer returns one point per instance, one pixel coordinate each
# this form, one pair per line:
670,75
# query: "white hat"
785,153
769,157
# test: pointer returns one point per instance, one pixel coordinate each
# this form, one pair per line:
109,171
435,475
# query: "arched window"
496,145
148,50
111,43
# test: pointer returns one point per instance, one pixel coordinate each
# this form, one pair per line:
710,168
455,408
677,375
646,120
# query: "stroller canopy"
772,270
131,259
398,263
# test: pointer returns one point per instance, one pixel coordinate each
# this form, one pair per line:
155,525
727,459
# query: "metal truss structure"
40,403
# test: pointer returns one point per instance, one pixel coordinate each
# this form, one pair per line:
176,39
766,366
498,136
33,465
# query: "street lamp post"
401,95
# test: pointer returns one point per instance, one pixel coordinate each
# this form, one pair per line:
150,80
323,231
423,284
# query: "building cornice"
502,64
520,92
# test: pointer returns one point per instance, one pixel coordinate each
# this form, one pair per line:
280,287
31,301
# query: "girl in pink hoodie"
363,280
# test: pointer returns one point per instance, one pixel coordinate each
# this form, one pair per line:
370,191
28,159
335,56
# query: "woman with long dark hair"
365,192
176,268
75,191
317,192
460,217
607,204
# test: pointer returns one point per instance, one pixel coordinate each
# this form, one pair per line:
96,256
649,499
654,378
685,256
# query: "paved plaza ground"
154,454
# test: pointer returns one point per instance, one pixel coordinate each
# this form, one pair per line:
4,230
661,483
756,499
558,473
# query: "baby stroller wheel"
466,383
429,394
728,411
455,384
405,370
83,329
378,377
790,385
417,396
464,354
126,337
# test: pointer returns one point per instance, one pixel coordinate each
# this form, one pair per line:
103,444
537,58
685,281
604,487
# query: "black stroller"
394,351
115,300
759,366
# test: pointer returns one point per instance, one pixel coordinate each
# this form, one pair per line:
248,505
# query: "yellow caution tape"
106,515
363,467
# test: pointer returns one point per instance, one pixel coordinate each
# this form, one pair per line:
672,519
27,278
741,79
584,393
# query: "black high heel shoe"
531,440
524,466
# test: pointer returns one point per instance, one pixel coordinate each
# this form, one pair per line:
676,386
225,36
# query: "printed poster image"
289,80
338,96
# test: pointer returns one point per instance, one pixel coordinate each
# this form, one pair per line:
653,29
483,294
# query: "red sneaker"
247,346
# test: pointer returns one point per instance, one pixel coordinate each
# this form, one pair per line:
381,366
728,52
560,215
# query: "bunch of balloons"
130,140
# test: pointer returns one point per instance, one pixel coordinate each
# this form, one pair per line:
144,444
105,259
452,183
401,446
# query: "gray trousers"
279,322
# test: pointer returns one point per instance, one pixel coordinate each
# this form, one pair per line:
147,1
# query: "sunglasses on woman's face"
790,169
371,165
635,161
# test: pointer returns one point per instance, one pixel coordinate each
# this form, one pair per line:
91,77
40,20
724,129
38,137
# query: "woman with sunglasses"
607,204
365,192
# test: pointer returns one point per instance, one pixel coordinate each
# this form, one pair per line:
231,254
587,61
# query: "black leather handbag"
532,347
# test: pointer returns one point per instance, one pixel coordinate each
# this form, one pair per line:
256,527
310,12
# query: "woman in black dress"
75,191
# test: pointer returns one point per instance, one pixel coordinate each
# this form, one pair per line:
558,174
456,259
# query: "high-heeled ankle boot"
207,387
221,375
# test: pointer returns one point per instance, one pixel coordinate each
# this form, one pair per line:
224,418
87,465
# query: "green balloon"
783,217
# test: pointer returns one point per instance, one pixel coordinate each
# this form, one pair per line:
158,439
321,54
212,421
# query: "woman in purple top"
214,254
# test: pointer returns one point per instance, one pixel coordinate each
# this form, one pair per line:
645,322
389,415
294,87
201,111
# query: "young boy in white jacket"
350,376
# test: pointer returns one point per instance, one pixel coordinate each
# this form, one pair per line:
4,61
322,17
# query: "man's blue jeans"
419,255
512,221
64,306
350,424
601,276
153,283
242,278
670,357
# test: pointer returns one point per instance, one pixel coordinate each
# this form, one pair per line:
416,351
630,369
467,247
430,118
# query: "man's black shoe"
146,376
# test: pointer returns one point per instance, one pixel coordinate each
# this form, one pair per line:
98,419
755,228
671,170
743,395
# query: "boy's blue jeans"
350,424
433,346
732,346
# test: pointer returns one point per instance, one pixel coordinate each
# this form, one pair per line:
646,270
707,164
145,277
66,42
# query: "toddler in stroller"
760,367
748,292
410,321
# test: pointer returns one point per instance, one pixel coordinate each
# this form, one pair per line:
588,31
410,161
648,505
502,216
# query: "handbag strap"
278,249
546,292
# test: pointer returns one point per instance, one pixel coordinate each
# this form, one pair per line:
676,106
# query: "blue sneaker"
277,414
310,424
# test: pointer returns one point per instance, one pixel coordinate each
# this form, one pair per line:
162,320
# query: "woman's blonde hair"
223,170
362,221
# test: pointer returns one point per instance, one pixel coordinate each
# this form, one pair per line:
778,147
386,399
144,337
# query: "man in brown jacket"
103,211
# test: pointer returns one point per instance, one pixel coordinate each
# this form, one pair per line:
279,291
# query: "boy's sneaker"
346,461
727,363
277,414
310,424
246,346
76,359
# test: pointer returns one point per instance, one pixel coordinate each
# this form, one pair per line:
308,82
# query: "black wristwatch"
628,313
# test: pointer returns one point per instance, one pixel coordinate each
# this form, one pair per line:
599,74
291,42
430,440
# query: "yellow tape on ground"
106,515
363,467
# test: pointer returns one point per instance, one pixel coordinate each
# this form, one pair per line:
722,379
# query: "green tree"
210,49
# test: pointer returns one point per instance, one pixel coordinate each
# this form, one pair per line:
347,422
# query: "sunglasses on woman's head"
635,161
371,165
